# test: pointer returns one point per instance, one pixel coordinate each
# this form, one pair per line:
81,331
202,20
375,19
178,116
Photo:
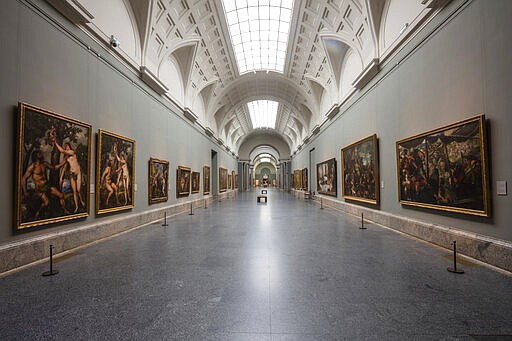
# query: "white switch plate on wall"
135,187
382,184
92,189
501,187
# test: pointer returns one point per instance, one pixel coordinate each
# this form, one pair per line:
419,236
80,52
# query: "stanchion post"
51,272
321,204
205,207
165,220
362,222
191,210
454,269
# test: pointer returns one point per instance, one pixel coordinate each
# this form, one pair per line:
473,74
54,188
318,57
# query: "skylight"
259,32
263,113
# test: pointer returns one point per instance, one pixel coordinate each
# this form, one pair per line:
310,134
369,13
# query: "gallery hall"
256,170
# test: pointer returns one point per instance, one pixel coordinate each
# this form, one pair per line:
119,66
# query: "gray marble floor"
245,271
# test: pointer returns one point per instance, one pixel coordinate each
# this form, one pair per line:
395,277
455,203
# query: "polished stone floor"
245,271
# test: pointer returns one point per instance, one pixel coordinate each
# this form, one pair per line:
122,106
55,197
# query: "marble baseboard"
20,253
489,250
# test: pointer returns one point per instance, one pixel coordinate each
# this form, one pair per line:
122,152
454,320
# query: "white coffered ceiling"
186,48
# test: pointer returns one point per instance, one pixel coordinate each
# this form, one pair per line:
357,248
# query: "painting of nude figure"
53,168
158,181
446,169
115,172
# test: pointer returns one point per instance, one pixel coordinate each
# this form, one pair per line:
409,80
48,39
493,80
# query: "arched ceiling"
193,36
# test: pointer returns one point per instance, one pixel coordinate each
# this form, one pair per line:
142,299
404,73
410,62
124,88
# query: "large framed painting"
206,180
360,171
236,181
115,172
158,181
446,168
53,168
305,179
299,179
230,184
223,179
182,181
196,179
326,177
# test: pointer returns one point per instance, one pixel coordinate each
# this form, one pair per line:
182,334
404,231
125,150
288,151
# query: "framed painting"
305,179
196,180
326,177
233,180
230,185
53,168
236,181
206,180
223,179
360,171
158,181
182,181
446,168
299,179
115,172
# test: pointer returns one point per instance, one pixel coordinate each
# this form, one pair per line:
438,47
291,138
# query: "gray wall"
42,65
459,71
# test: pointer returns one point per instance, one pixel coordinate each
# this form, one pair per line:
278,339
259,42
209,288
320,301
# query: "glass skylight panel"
259,32
263,113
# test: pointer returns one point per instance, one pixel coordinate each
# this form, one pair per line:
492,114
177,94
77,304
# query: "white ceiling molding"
73,11
367,74
335,109
189,114
152,81
208,131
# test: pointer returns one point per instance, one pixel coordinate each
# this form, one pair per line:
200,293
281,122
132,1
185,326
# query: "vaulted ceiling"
183,49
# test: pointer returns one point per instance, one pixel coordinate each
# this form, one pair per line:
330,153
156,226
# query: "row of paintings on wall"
53,170
444,169
227,180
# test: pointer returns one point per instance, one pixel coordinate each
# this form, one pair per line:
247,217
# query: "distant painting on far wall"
236,180
223,179
446,168
305,179
115,172
229,182
206,180
53,168
158,181
196,178
182,181
326,178
360,171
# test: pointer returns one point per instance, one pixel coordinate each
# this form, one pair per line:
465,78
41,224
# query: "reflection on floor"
241,271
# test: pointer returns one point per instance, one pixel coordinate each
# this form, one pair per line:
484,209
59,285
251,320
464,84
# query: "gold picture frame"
206,180
195,182
183,175
223,179
446,168
360,171
53,168
115,172
158,181
326,178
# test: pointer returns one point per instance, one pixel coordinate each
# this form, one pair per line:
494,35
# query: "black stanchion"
52,271
362,223
165,220
205,207
454,269
321,204
191,210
